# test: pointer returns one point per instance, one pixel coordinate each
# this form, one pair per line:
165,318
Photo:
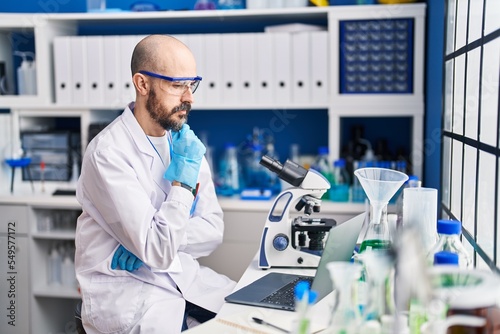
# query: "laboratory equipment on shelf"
449,240
229,182
379,184
340,182
284,239
345,318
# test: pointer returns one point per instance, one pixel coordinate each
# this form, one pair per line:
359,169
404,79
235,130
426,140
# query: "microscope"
294,242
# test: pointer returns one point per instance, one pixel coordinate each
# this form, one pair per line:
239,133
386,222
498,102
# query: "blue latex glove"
125,260
187,153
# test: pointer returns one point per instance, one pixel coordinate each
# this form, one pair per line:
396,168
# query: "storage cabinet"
15,274
53,299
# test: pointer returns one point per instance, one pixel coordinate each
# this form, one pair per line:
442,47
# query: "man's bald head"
162,54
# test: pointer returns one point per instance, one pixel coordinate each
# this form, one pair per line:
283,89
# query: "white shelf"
54,235
56,292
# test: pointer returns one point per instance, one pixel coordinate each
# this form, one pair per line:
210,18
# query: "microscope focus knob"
280,242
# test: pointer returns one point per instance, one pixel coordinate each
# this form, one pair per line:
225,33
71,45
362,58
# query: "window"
470,176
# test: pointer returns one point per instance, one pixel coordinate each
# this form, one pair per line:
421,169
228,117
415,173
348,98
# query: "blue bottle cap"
300,289
323,150
412,178
445,257
339,163
449,226
228,145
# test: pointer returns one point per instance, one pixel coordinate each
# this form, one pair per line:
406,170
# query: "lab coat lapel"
147,150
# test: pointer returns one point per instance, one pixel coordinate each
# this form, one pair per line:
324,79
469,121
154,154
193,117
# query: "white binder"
230,69
111,67
95,69
264,69
301,68
62,69
195,42
247,64
126,90
282,64
320,68
79,70
213,65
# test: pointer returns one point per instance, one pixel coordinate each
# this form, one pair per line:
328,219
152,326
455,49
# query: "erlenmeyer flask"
379,184
346,317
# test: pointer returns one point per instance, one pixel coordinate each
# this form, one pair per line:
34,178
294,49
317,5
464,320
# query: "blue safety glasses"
175,86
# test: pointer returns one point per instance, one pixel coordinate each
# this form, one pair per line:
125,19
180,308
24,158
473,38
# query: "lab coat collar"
144,146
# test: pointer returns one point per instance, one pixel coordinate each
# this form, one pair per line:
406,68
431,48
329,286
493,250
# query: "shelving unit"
51,309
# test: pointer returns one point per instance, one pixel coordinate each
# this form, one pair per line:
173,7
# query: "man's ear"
142,85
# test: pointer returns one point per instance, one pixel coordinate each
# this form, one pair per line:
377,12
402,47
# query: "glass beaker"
345,318
379,184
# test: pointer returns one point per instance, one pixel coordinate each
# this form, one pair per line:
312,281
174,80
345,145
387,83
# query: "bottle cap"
323,150
449,226
445,257
228,145
339,163
300,289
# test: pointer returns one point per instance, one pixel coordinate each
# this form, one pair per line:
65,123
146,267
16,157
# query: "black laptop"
276,290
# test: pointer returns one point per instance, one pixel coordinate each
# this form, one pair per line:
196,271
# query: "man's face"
170,118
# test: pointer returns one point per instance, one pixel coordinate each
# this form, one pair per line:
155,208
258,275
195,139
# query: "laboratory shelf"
54,291
54,235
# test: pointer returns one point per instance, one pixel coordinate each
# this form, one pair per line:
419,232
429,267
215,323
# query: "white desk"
240,315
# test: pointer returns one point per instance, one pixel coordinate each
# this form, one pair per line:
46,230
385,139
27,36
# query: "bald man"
149,208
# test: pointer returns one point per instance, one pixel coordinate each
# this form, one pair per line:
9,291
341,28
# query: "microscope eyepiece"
290,172
272,164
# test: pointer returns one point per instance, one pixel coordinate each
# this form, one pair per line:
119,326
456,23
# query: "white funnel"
380,184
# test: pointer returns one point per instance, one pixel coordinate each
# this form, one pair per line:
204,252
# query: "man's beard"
164,117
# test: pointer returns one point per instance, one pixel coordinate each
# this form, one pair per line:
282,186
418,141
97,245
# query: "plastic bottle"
26,74
449,240
229,172
323,165
68,275
340,182
412,182
54,267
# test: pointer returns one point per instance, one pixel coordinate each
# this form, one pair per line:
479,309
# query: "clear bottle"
68,275
229,172
339,192
54,267
449,240
322,164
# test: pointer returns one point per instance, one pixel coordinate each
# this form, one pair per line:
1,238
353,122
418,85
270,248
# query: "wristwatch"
185,186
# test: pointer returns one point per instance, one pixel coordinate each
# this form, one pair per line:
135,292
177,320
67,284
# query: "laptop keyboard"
285,295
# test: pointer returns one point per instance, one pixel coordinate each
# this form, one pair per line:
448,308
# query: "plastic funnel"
380,184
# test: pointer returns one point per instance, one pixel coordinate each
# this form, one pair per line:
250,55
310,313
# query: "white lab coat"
126,201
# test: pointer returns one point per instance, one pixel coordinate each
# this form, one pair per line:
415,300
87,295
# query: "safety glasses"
175,86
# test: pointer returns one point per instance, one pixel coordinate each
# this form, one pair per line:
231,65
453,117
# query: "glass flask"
379,266
345,318
380,185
